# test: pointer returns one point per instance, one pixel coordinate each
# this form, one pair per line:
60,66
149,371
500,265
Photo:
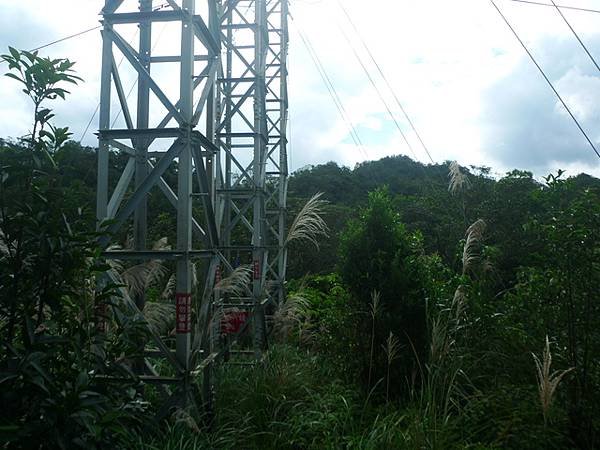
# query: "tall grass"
459,181
391,350
309,225
471,255
292,315
374,309
547,382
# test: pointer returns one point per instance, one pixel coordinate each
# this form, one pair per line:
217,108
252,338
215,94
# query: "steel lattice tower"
221,127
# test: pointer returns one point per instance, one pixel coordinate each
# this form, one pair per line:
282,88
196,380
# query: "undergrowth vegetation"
458,313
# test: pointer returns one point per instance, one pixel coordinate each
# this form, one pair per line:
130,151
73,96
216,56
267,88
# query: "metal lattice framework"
220,126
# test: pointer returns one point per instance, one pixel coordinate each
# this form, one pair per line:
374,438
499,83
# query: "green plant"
42,80
330,321
63,383
391,349
375,307
378,253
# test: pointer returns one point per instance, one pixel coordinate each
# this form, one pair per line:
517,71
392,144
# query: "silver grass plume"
308,224
160,316
441,343
458,180
391,350
237,282
169,289
140,277
375,308
293,312
116,266
472,248
547,382
375,305
458,302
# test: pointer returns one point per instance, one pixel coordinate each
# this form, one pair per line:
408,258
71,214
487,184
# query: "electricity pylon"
220,127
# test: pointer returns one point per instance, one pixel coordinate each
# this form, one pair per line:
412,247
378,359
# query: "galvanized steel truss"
224,133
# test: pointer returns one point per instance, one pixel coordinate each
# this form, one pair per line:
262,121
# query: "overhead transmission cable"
66,38
576,35
514,32
158,8
385,79
379,93
331,89
426,176
575,8
89,124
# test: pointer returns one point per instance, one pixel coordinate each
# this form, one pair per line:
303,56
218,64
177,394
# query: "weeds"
375,309
391,349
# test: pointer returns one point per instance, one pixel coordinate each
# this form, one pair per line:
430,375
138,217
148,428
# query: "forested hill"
400,174
422,197
347,186
419,193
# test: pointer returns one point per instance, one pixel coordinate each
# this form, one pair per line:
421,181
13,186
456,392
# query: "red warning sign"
183,311
233,320
256,269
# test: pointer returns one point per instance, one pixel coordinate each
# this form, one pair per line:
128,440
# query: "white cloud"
457,70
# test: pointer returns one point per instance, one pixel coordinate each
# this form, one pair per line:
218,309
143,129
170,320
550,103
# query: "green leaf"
82,380
6,377
14,52
15,77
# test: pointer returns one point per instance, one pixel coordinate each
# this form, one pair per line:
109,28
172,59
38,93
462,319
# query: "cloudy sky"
469,88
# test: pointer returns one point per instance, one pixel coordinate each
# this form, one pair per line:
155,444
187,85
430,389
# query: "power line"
530,2
576,35
89,124
331,88
329,85
372,81
132,86
545,77
385,79
381,97
332,91
65,38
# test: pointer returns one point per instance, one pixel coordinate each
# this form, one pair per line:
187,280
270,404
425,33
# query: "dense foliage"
492,267
446,309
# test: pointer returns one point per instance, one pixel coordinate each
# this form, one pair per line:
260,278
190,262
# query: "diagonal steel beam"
143,190
172,198
121,188
213,234
133,59
121,95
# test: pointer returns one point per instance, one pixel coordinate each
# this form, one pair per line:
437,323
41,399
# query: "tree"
53,357
377,253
